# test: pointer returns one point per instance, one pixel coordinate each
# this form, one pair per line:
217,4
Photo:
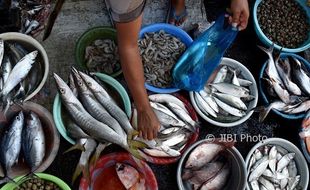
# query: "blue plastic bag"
203,56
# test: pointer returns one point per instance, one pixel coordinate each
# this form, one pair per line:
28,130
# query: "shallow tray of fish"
285,85
159,52
276,164
23,69
25,145
211,165
179,128
229,95
102,56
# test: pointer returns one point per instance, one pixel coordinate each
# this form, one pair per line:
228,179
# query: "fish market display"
227,97
159,52
30,16
21,73
273,167
287,82
38,183
208,166
102,56
284,22
176,129
97,120
305,133
130,177
24,135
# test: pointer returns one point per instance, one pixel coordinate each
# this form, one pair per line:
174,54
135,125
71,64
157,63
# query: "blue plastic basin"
264,94
170,29
268,42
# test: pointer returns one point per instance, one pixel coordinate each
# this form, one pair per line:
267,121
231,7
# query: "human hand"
240,13
148,123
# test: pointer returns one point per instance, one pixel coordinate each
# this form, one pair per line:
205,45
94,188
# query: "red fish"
305,134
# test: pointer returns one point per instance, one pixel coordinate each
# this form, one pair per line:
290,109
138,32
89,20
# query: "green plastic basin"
57,106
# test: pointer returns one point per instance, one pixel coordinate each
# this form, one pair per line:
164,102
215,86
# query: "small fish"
182,114
1,50
303,107
232,89
293,182
203,154
258,154
33,141
267,184
284,182
159,152
210,100
282,93
273,158
19,72
166,98
229,109
254,185
258,171
285,160
301,76
204,106
221,75
127,174
244,82
231,100
174,139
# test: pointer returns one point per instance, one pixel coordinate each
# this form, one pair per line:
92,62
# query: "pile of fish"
272,167
305,133
97,121
160,52
21,72
287,82
102,56
24,134
226,99
208,166
130,177
177,126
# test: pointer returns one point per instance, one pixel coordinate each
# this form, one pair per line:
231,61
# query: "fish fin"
263,112
269,50
81,169
75,147
97,153
6,179
137,144
135,153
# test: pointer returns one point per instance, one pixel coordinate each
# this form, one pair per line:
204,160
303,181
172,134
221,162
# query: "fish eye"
89,84
80,83
17,117
62,90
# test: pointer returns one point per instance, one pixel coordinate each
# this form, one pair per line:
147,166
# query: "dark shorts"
125,10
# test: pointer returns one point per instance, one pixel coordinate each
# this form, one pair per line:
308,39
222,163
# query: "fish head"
33,118
33,54
90,82
20,117
79,81
64,90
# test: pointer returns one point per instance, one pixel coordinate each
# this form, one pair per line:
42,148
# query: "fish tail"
263,112
81,169
132,134
135,153
137,144
268,51
75,147
97,153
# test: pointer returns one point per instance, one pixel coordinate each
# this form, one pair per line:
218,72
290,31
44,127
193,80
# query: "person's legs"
178,13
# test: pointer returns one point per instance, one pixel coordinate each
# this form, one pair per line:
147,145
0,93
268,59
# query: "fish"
83,166
293,182
204,106
273,158
167,98
162,151
221,75
203,154
94,107
284,70
301,76
75,131
231,100
11,143
229,109
292,169
101,95
127,174
254,185
282,93
169,130
210,100
79,145
235,80
284,182
1,50
90,125
232,89
198,177
285,160
258,171
182,114
33,141
269,87
302,107
277,105
267,184
244,82
19,72
174,139
219,181
6,68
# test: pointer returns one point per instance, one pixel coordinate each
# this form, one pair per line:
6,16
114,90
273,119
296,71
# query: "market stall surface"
78,16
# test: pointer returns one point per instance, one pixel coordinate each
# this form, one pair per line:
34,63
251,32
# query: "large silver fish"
229,109
101,95
19,72
11,143
232,89
204,106
94,107
90,125
167,98
33,141
232,100
182,114
301,76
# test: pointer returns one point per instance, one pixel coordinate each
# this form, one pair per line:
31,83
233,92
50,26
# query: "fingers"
235,21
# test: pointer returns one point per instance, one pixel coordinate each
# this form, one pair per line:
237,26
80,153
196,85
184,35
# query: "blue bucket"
264,94
268,42
175,31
